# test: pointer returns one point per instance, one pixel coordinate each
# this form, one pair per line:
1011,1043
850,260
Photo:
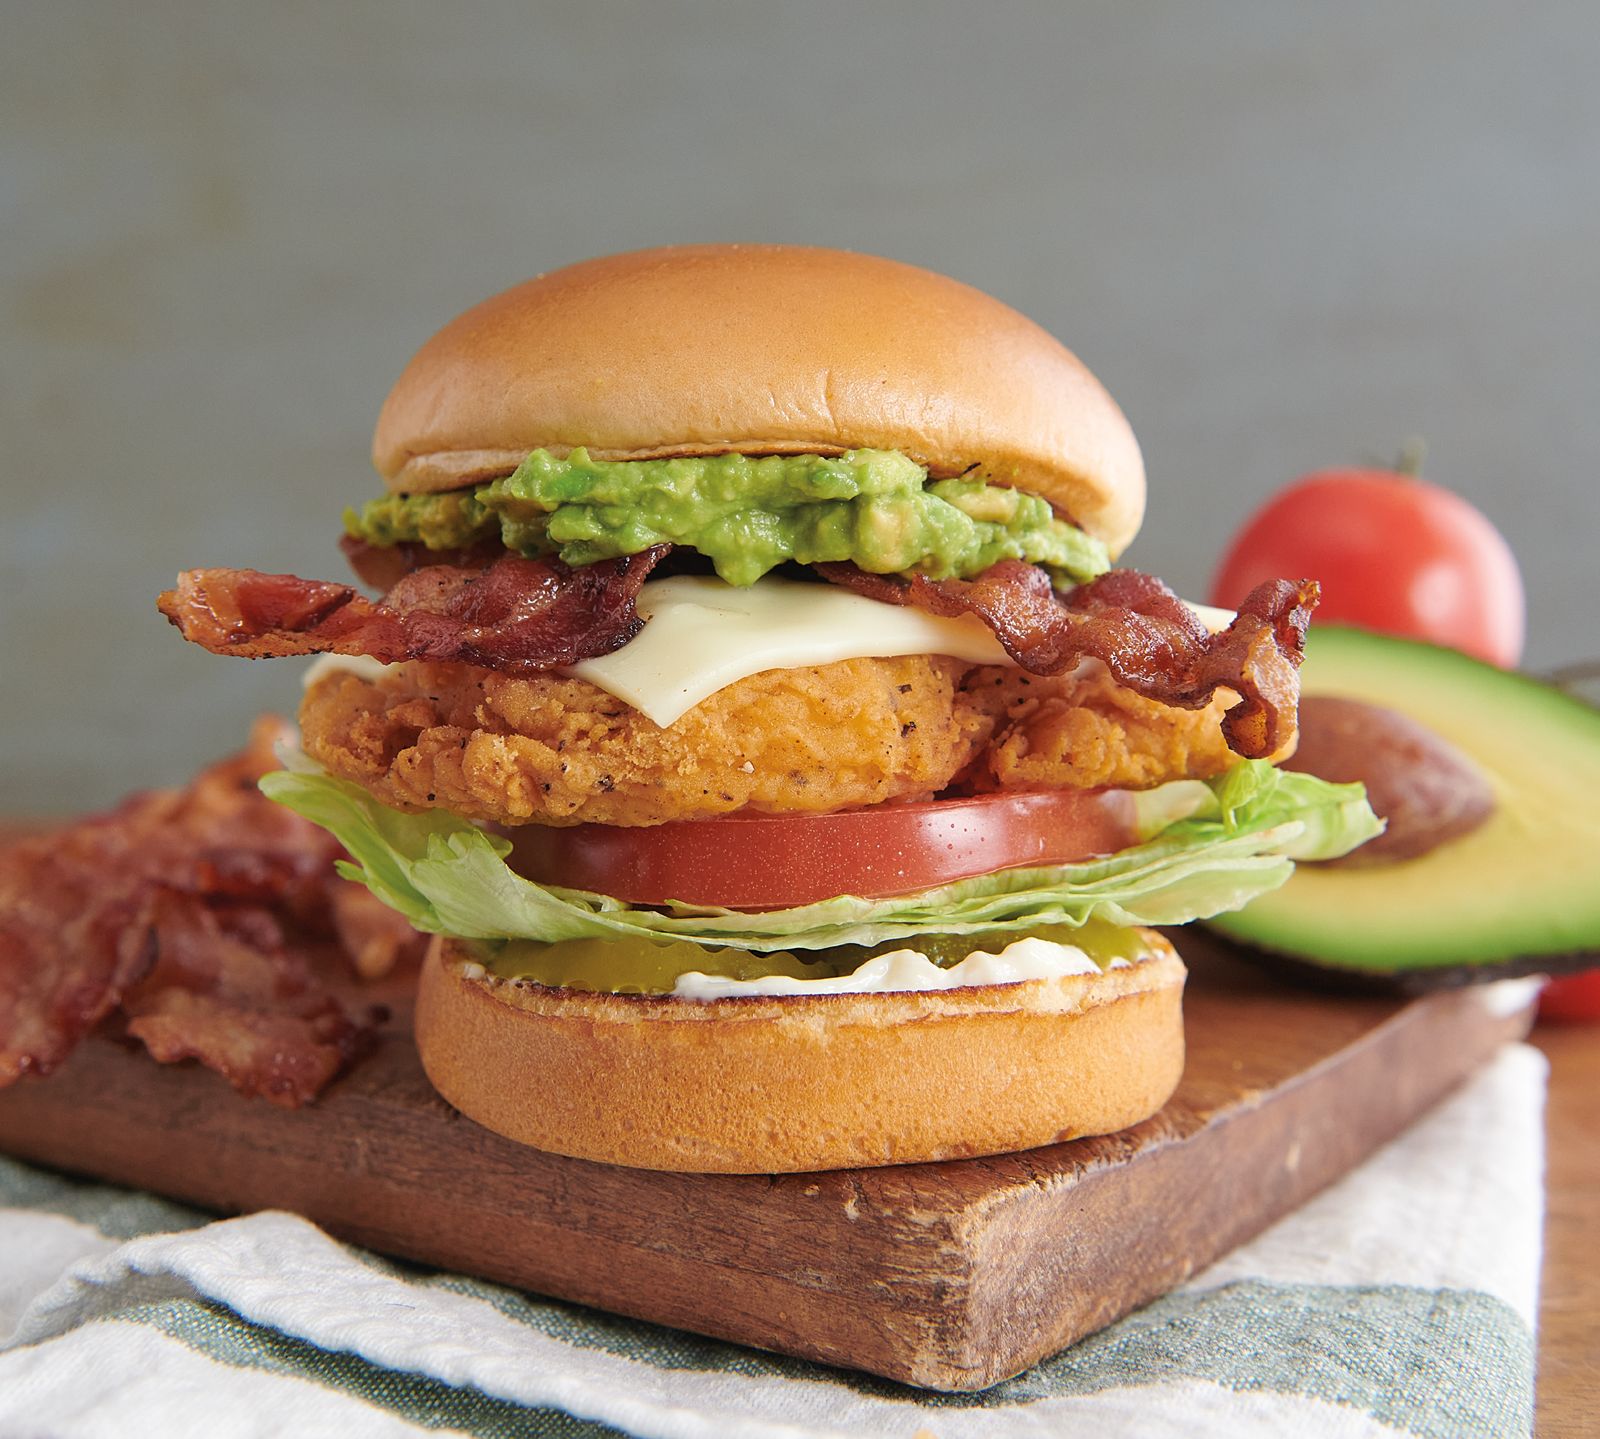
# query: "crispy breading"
550,749
1084,731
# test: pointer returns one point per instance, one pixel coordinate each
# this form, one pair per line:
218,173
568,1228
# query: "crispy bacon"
252,1011
1142,632
515,614
384,566
375,939
65,958
205,916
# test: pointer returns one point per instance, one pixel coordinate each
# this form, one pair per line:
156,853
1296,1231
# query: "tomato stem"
1413,451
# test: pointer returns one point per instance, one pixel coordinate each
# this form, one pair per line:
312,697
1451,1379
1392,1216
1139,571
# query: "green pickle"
638,966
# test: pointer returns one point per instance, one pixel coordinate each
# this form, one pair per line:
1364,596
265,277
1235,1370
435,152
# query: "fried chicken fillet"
553,749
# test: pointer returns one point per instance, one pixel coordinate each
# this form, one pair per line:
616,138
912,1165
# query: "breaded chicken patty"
550,749
1085,731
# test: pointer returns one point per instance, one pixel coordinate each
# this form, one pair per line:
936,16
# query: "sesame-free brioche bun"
778,1084
761,349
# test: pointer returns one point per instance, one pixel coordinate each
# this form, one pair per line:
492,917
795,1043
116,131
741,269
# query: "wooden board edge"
1274,1144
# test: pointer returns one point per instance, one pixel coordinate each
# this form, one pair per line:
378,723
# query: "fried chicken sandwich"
754,714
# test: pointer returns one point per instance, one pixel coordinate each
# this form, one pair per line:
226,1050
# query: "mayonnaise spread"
906,970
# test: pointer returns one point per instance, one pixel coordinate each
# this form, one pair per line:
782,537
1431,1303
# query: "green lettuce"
1206,848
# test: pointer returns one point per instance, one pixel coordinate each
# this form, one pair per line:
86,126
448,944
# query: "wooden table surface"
1569,1310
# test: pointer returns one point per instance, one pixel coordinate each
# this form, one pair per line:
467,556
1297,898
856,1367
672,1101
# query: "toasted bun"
768,349
781,1084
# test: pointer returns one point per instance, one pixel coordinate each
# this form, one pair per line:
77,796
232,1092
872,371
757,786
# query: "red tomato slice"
775,861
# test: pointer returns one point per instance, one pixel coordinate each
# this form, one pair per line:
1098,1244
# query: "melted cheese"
702,635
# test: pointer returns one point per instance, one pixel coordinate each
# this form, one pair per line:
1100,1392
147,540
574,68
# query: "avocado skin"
1519,895
1332,979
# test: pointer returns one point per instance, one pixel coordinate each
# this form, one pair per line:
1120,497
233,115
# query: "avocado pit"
1421,786
1425,789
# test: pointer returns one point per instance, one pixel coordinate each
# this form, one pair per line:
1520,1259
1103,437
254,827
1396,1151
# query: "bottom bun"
777,1084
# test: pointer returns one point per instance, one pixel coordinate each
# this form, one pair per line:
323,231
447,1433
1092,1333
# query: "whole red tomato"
1392,553
1396,554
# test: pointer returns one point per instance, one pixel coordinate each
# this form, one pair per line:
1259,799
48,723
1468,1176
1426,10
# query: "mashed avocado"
635,966
875,508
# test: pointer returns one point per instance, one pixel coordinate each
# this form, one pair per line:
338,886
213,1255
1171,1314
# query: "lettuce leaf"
1206,848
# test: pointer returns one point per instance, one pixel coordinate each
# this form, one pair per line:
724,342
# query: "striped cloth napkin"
1401,1301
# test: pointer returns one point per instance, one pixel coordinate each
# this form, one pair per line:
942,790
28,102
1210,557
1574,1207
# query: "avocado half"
1520,894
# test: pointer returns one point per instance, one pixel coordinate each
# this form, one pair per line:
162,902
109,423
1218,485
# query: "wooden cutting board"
951,1276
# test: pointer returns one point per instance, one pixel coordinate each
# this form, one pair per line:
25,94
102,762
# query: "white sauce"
907,970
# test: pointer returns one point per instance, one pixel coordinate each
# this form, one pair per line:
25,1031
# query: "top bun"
761,349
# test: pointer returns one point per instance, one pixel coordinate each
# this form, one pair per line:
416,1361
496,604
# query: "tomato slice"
775,861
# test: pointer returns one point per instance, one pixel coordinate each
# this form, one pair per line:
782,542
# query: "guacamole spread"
875,508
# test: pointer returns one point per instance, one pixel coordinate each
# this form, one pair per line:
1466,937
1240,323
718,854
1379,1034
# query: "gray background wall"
1285,238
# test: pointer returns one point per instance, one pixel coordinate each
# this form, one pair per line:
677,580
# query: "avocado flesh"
1525,884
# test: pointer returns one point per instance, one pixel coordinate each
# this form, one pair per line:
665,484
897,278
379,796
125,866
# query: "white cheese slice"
702,635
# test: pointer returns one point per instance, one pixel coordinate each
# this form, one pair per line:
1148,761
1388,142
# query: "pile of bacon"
206,923
519,615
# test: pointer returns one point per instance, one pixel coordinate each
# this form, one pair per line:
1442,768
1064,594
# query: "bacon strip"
65,961
384,566
205,916
1142,632
515,614
227,989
